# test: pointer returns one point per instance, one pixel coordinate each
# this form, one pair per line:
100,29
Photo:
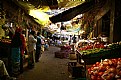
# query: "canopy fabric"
72,12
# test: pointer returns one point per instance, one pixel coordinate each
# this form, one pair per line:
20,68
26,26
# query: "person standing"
31,49
38,47
15,53
74,39
22,49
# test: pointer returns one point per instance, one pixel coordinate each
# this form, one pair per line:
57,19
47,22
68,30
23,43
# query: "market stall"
5,52
91,55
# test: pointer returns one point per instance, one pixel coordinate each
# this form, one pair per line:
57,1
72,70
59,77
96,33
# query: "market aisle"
49,68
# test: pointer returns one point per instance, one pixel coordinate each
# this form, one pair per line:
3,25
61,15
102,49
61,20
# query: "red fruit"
94,65
100,73
93,77
119,59
105,63
92,68
107,67
97,63
102,68
101,46
89,69
99,78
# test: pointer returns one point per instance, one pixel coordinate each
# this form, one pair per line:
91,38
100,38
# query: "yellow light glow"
42,17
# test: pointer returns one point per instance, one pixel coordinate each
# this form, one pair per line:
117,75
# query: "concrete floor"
49,68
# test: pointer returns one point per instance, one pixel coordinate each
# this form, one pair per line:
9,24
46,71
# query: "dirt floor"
48,68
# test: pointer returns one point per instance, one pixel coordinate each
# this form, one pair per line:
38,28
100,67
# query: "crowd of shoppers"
20,47
33,47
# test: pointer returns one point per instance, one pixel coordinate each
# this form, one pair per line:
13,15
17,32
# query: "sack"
26,56
42,48
72,56
42,41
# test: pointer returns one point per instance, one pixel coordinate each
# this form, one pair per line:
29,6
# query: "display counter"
5,48
89,57
5,52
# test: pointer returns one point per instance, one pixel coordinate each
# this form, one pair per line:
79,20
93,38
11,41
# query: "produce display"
91,46
115,45
108,69
100,50
5,40
94,52
91,49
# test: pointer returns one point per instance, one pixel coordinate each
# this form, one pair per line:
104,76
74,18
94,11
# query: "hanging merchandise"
2,14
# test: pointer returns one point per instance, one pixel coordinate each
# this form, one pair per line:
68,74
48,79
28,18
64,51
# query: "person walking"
38,47
31,49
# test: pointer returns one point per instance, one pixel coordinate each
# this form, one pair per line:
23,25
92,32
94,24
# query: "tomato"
92,68
89,69
97,63
107,67
119,59
99,78
100,73
102,68
105,63
94,65
93,77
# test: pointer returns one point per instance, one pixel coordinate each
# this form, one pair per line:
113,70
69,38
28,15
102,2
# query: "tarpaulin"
72,12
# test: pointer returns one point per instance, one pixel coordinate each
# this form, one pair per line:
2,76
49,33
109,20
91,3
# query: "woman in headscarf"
15,52
22,49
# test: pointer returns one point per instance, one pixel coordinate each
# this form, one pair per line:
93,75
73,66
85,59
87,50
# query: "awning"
72,12
102,11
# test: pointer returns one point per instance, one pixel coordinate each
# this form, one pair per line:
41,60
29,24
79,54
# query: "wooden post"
112,17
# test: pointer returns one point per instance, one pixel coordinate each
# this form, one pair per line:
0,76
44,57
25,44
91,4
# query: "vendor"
103,37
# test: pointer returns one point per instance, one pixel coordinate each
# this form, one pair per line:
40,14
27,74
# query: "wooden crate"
59,55
76,70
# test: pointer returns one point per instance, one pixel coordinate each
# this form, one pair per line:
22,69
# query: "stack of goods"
115,49
92,52
108,69
96,52
91,46
64,52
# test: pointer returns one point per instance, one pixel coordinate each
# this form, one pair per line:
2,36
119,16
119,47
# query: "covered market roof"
72,12
43,7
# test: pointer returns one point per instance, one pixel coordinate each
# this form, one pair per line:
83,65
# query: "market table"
88,60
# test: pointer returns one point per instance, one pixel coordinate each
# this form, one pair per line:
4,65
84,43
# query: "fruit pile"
94,52
5,40
115,45
91,46
108,69
98,49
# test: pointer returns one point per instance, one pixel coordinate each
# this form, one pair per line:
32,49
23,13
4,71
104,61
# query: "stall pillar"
112,16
